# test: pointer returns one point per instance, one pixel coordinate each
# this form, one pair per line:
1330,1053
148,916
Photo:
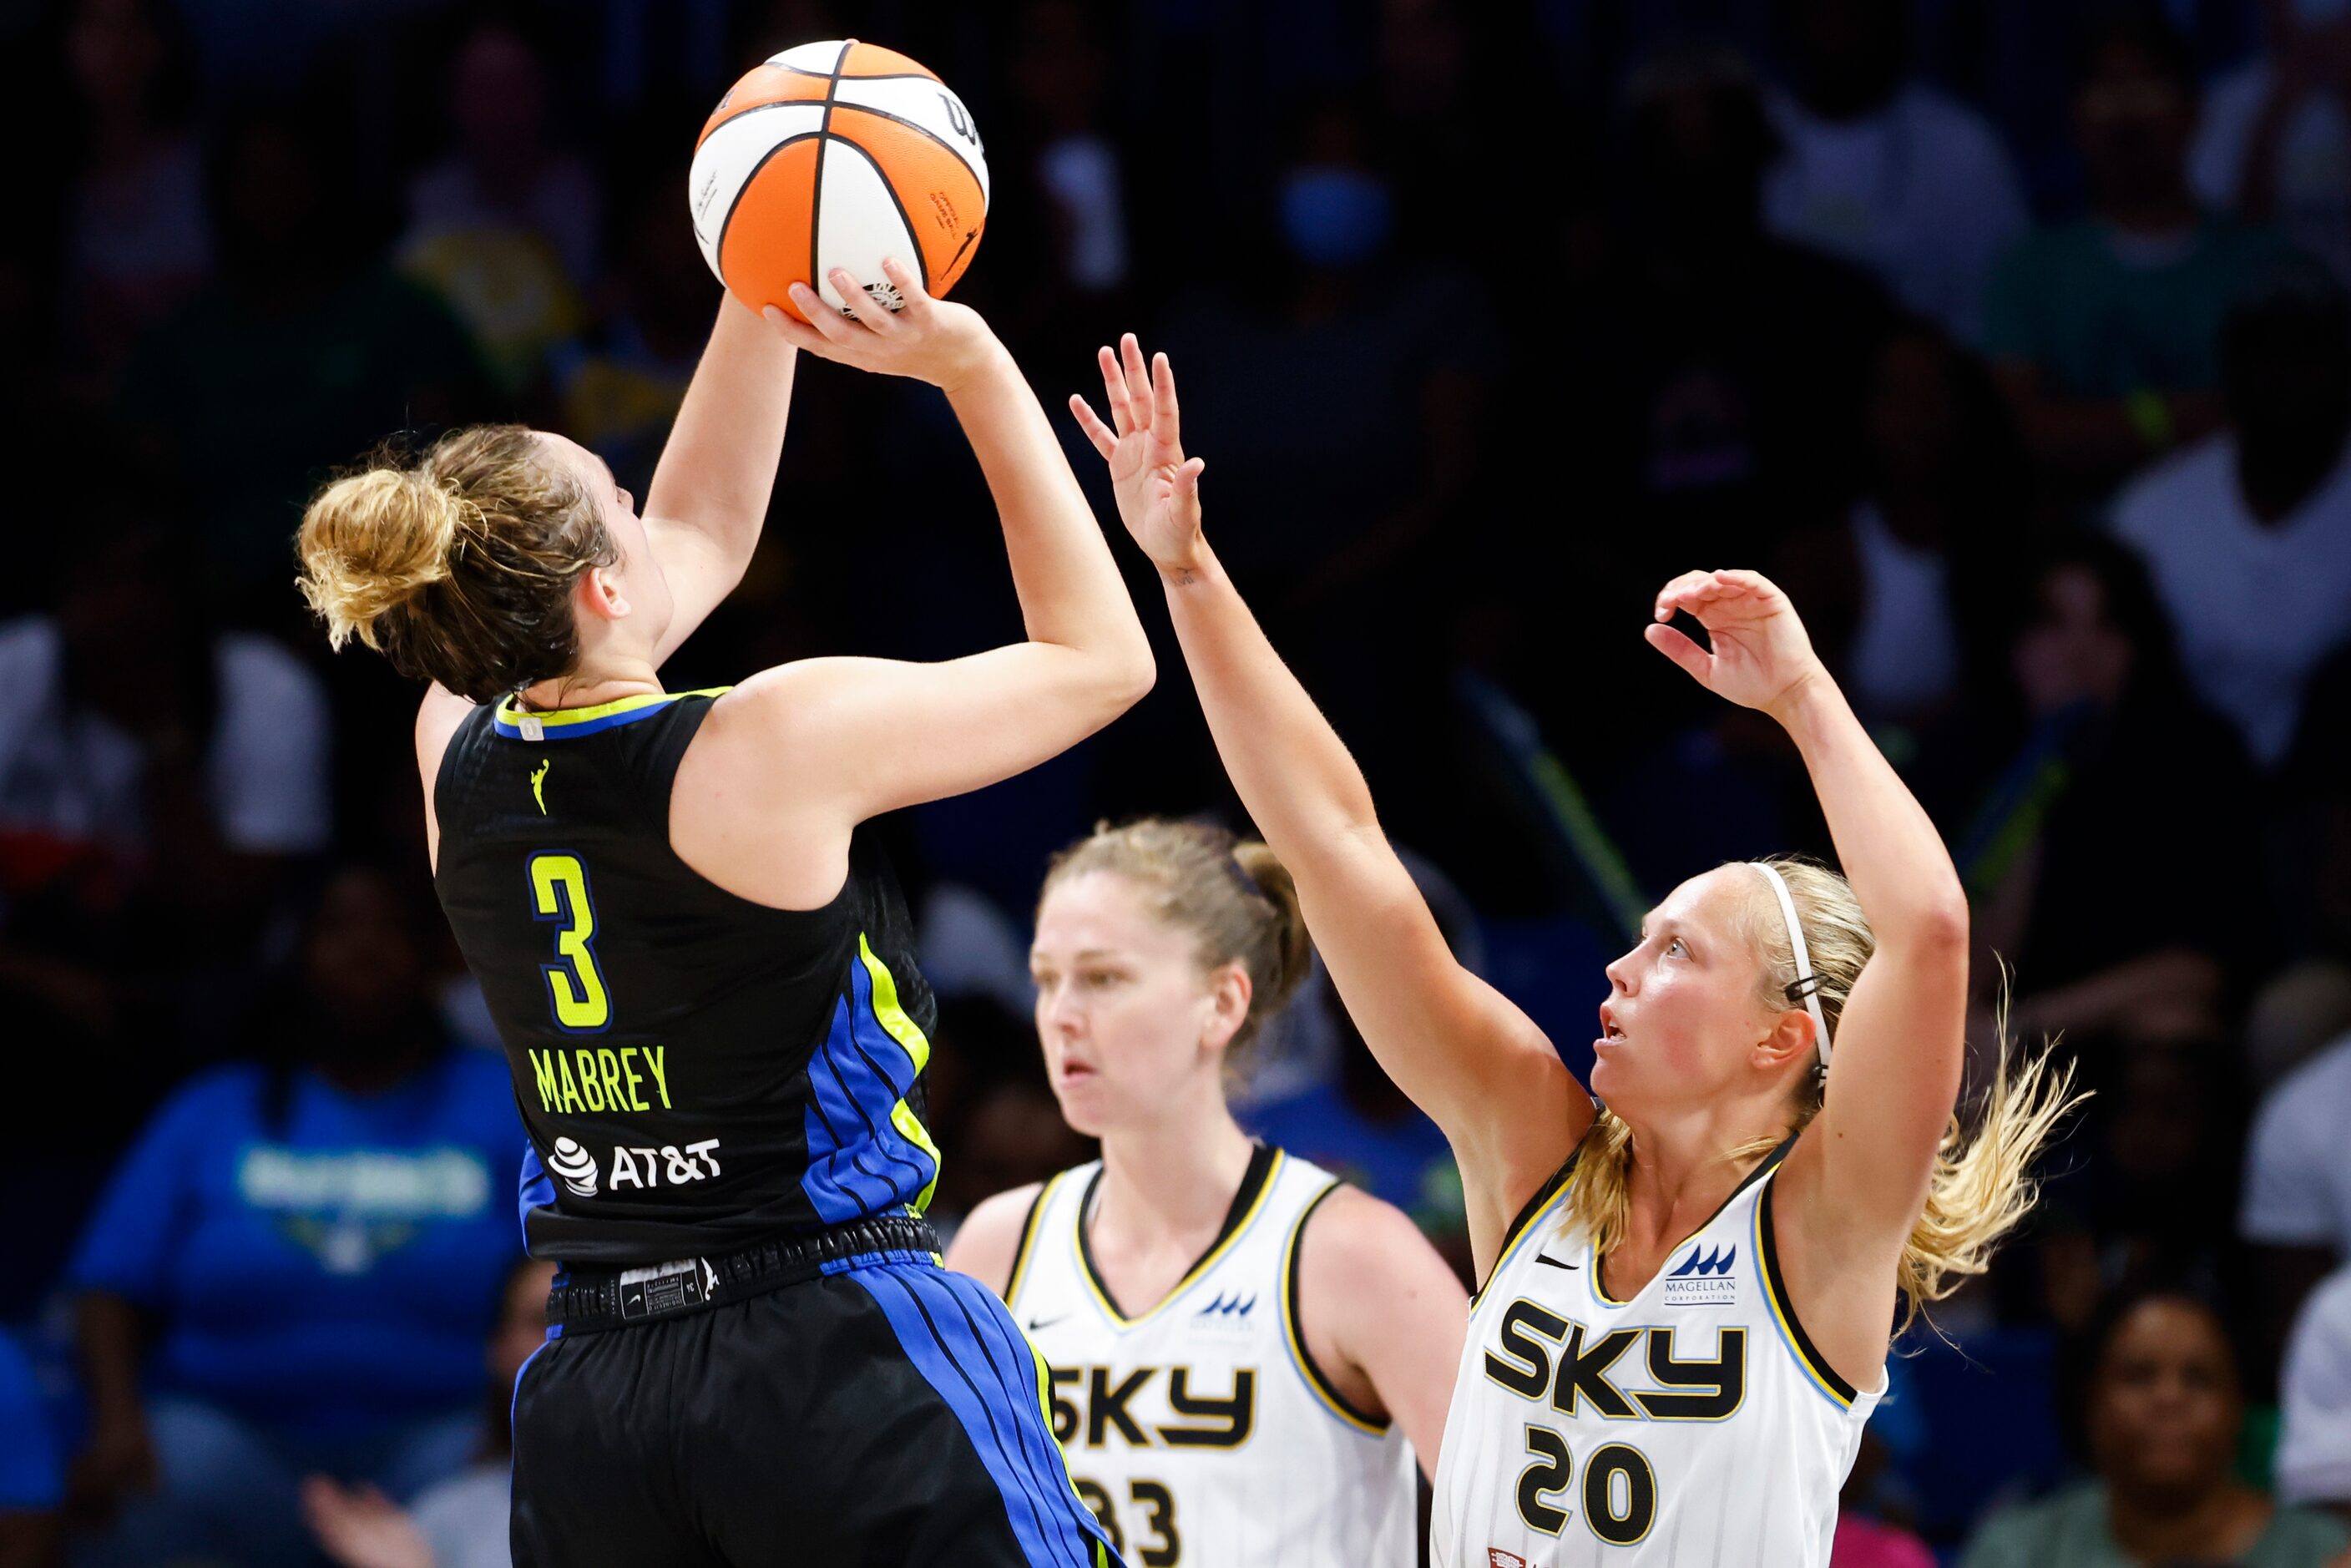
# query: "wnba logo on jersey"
1704,1278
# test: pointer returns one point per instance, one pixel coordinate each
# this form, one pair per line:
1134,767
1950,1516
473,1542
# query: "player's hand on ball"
926,339
1158,489
1762,657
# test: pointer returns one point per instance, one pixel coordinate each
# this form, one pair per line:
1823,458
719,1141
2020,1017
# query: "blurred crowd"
2010,336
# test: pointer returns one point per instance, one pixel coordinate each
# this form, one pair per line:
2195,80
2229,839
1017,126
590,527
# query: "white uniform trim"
1182,1430
1660,1431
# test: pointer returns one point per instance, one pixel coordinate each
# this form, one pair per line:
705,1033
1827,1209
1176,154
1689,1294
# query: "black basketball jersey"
697,1072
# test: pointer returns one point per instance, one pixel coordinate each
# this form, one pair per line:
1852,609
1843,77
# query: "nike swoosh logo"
1036,1324
1547,1258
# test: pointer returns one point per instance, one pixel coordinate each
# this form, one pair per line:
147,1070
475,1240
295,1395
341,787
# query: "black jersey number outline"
1167,1548
1552,1471
575,986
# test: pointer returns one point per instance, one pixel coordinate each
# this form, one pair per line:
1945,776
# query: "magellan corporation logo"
572,1162
1704,1278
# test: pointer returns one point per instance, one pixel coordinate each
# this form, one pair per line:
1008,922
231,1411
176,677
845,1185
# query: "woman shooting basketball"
1241,1344
1688,1294
702,976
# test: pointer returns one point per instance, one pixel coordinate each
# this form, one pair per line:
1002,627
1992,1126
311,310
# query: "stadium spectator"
620,388
128,718
1062,76
1445,88
2307,1004
2313,1456
2296,1205
2275,140
507,228
1944,483
316,1241
2248,535
32,1473
1342,388
2105,330
2161,1413
1884,171
162,783
1352,1119
1865,1542
2151,1199
1702,381
136,239
1011,1131
301,352
460,1523
2109,943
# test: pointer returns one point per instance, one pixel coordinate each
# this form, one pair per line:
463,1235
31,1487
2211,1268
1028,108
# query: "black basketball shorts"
883,1413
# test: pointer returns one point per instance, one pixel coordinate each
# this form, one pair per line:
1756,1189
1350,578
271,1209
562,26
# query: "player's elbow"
1124,677
1936,924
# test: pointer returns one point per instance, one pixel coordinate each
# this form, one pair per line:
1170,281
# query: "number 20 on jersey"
575,988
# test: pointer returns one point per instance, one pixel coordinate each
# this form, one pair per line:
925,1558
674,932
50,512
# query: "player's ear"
1229,1005
1790,1038
599,595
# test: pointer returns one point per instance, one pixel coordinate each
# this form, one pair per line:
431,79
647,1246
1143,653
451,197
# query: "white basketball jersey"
1201,1431
1693,1426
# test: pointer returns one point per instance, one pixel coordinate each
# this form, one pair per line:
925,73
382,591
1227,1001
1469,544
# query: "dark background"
1490,316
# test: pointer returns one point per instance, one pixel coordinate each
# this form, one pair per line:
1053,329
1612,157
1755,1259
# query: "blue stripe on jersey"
861,1160
537,1189
928,1311
510,720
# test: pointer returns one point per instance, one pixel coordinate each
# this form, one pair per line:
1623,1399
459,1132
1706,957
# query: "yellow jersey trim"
511,715
909,1035
1532,1224
1325,1394
1027,1245
1833,1388
1208,1261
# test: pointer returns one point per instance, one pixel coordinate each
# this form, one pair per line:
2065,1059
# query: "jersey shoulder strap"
1316,1185
1544,1199
1050,1229
1783,1306
628,750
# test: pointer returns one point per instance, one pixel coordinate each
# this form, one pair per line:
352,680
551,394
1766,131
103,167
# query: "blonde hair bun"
457,566
371,542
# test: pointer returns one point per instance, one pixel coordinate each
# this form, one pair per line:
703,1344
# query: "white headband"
1805,979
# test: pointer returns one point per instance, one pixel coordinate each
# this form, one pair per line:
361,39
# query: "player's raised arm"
1464,1052
834,741
1894,1069
710,491
1877,1179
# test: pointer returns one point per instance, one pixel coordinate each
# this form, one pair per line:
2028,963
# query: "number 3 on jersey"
1166,1548
558,891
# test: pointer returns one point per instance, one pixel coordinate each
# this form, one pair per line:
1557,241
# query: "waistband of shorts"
588,1300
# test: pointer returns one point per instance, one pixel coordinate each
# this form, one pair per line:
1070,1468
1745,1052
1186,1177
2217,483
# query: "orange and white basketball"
837,154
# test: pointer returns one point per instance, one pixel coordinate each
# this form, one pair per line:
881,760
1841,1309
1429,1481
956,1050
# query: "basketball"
836,155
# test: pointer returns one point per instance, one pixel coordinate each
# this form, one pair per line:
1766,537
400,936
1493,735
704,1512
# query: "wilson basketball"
837,154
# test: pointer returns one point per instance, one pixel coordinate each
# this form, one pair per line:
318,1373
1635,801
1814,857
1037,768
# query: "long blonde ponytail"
1982,1185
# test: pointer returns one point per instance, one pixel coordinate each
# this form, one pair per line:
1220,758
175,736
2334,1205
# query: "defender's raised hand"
1762,656
1158,489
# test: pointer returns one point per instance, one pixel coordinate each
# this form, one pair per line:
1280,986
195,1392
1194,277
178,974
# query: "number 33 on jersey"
1199,1431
